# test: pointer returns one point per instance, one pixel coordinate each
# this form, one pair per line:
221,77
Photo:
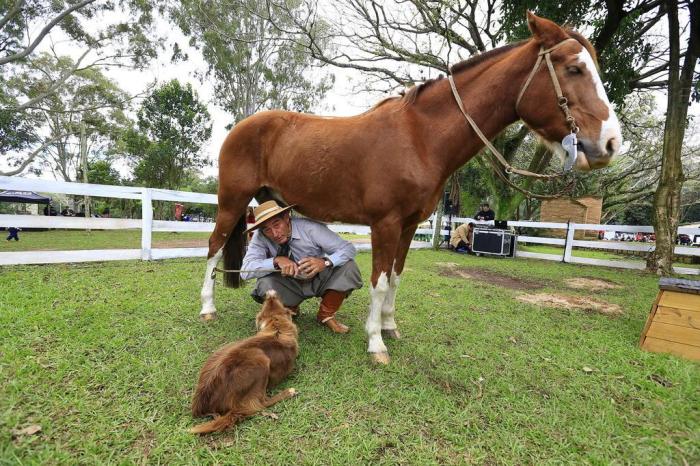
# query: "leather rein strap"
561,101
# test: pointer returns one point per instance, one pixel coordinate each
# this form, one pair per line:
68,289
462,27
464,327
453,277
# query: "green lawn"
104,358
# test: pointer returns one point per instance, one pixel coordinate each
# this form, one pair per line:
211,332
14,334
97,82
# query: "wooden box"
673,325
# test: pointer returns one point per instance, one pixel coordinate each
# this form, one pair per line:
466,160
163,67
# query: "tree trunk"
668,193
84,166
437,224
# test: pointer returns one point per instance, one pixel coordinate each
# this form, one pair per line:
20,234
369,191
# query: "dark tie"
285,250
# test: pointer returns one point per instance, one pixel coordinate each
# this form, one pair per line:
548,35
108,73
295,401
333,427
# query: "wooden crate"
673,325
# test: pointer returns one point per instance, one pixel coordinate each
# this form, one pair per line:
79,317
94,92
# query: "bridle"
562,102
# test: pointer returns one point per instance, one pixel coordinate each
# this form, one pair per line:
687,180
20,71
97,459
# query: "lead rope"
562,102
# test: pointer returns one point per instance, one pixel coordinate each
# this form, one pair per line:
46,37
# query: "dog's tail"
219,424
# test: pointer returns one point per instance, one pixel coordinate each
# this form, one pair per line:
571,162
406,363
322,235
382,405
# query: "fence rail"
148,225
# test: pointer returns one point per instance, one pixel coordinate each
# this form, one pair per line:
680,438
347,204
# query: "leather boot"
330,303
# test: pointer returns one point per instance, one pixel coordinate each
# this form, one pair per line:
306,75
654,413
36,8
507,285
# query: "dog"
233,382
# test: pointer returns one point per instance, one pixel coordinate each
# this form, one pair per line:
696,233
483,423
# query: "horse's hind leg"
389,328
226,219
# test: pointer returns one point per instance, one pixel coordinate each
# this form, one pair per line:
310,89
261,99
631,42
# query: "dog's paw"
292,391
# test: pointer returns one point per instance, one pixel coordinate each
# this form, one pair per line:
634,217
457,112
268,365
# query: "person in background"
485,213
461,239
250,220
13,234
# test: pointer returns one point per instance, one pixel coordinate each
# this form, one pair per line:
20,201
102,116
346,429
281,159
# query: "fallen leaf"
29,430
587,369
512,340
270,415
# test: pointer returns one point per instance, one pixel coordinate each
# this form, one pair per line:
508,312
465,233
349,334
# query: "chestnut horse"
387,167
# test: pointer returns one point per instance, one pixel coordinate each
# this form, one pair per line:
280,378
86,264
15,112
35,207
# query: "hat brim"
268,216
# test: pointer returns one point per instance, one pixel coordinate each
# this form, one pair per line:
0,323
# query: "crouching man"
312,261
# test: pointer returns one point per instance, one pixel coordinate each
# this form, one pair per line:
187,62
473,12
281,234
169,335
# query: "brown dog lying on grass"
233,382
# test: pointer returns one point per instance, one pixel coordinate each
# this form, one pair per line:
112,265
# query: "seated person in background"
461,239
312,261
485,213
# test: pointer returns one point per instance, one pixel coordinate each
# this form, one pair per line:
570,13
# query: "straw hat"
266,211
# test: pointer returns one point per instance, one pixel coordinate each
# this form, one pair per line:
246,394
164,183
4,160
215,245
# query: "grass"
104,357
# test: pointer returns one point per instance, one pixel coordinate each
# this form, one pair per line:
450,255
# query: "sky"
341,100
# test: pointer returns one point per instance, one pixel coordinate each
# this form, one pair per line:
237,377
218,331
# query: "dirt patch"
592,284
571,302
451,269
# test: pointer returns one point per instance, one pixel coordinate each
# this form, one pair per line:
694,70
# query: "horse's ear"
547,33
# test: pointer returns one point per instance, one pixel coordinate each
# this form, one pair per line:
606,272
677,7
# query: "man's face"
277,229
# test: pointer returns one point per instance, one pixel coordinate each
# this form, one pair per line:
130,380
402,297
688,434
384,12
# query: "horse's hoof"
392,334
380,358
207,317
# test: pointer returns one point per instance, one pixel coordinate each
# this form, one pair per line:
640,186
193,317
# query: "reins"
562,102
216,269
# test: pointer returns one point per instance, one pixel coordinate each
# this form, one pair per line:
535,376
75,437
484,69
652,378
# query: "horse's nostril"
610,146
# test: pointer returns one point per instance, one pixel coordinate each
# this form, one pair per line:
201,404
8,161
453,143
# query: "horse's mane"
410,96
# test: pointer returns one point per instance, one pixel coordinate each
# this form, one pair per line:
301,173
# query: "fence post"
147,223
569,243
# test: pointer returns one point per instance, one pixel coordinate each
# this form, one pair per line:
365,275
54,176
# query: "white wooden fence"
147,225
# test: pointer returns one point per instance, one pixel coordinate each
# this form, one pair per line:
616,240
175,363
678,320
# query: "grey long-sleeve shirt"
309,239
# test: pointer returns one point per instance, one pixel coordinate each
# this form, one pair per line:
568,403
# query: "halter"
562,102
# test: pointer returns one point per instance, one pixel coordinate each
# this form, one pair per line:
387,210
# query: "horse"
386,167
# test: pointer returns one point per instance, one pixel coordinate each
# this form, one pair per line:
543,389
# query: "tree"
681,73
253,64
106,33
89,104
166,145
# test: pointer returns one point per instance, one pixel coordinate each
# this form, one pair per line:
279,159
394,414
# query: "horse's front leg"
385,240
389,328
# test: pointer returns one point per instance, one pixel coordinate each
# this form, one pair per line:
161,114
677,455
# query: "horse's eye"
573,70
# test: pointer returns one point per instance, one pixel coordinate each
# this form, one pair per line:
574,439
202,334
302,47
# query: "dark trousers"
13,234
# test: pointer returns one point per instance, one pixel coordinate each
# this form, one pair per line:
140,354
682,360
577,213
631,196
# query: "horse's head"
574,63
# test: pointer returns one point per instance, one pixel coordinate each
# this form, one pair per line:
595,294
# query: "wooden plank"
679,284
680,300
80,223
682,317
679,349
57,257
650,318
669,332
540,240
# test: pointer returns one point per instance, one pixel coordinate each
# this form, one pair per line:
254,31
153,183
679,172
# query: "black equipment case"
494,242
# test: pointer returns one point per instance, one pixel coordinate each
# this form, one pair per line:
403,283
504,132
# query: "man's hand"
310,266
286,265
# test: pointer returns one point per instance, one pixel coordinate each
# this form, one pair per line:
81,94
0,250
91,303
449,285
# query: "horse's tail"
218,424
234,250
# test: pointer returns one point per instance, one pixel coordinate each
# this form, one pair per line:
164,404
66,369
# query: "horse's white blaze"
610,129
373,326
208,286
388,308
